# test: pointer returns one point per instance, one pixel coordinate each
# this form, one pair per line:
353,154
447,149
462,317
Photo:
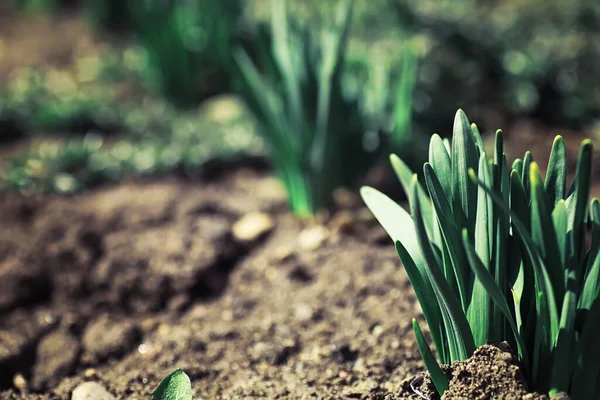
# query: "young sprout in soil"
176,386
317,133
497,253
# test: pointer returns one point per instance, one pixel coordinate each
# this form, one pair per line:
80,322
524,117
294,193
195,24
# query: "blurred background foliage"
155,77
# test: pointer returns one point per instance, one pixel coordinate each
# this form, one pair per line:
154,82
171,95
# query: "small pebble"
303,312
312,238
90,373
91,391
252,226
20,383
377,330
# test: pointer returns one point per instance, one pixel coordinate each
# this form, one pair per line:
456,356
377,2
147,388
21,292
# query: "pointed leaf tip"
534,173
176,386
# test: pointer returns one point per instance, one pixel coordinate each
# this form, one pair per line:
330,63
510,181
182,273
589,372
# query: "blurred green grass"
500,61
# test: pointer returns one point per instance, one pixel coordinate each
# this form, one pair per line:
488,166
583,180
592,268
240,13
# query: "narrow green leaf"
464,157
405,175
561,365
484,225
518,165
591,285
516,274
560,220
176,386
404,96
429,304
441,163
581,202
287,62
478,140
519,202
543,232
450,233
435,371
267,103
527,160
479,311
556,176
498,147
500,235
395,220
460,338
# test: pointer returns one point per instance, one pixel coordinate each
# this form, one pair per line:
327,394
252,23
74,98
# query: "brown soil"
43,42
491,373
122,285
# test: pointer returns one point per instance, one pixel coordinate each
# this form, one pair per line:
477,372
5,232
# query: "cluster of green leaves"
496,253
317,134
82,163
531,57
189,45
176,386
36,103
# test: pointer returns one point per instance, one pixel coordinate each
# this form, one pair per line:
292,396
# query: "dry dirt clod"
252,227
492,372
57,356
106,337
91,391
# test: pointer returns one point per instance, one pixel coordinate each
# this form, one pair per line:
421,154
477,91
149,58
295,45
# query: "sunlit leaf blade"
527,160
441,163
435,371
478,139
560,220
518,165
405,175
394,219
556,175
176,386
464,157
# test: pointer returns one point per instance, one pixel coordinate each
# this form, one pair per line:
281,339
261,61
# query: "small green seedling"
497,253
176,386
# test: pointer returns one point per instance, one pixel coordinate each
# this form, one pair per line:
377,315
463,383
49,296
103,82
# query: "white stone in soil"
252,226
91,391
